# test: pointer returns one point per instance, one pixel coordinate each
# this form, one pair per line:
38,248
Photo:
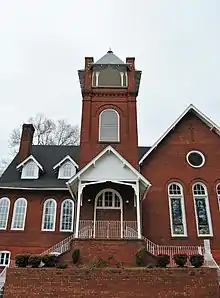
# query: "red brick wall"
89,143
122,250
114,283
97,99
168,163
32,239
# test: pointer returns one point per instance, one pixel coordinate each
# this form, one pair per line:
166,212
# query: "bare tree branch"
48,132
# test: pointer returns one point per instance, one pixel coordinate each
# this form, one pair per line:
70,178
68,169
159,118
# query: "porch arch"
108,199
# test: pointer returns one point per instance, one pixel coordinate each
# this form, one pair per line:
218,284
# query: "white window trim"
118,117
207,210
36,171
115,208
181,197
73,170
54,217
61,215
13,216
124,75
200,153
218,194
113,200
9,203
9,259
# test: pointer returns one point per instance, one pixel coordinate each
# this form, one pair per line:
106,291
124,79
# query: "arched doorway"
108,214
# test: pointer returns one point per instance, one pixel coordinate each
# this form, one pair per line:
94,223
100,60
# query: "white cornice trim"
33,188
63,160
31,157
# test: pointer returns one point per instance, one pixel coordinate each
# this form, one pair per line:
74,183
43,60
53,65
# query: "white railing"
126,230
107,229
60,247
171,250
2,280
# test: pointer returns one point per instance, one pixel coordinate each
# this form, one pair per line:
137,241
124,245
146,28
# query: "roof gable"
66,158
103,169
30,158
190,108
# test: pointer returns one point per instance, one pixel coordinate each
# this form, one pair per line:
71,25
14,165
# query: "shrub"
22,260
150,266
49,260
163,260
76,256
61,266
98,263
180,259
34,261
196,260
140,257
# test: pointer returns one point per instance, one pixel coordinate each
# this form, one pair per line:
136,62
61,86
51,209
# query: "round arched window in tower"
195,159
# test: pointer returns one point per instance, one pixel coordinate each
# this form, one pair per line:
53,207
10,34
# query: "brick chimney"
26,141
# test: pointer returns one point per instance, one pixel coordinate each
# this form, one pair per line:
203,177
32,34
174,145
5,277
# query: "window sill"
109,142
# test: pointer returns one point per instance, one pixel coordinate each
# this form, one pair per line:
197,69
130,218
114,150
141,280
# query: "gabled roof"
109,58
31,157
190,108
66,158
47,156
118,155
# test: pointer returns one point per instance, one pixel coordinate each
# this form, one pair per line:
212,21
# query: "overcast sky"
43,42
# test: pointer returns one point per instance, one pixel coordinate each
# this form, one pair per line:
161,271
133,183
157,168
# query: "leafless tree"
47,132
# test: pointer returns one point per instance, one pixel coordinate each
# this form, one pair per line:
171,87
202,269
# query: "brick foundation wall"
122,250
147,283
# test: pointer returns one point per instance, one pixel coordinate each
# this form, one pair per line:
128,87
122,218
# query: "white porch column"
137,194
78,208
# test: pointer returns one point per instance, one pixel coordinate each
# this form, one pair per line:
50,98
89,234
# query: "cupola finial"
110,50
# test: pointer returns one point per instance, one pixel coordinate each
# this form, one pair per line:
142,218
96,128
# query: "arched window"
109,126
5,258
177,210
108,198
66,216
19,214
67,170
30,171
202,210
49,215
4,211
218,194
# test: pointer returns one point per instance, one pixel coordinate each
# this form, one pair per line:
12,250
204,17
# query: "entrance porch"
108,193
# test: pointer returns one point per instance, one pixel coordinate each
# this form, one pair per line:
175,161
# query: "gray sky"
43,43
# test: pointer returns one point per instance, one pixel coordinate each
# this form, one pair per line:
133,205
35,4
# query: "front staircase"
152,248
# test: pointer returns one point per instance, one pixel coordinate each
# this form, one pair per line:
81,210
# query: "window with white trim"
67,170
177,210
4,212
202,210
218,194
19,214
67,214
5,258
49,215
30,171
109,126
108,198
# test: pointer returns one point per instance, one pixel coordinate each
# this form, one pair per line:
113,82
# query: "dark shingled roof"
110,58
48,156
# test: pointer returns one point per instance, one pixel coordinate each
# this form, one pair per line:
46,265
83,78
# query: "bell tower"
109,89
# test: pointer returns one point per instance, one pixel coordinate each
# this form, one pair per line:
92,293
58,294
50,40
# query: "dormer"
30,168
66,168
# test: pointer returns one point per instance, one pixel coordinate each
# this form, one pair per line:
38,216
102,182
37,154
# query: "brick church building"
108,187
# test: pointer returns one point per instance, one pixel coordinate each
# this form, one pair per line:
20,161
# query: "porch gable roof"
125,163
